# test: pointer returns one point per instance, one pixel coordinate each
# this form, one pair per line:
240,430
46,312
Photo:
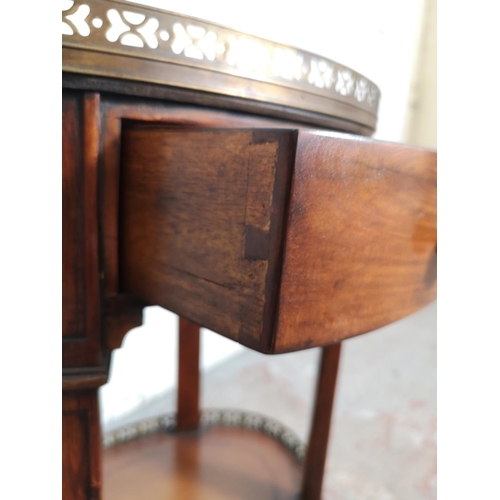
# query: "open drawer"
279,239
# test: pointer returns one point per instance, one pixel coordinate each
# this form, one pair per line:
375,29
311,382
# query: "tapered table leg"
188,393
314,465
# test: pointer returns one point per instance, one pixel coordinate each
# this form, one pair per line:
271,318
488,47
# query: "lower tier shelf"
216,462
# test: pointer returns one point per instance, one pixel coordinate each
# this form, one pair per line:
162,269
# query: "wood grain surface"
119,311
201,224
221,463
209,234
73,219
81,446
360,247
281,239
192,101
317,448
116,113
81,296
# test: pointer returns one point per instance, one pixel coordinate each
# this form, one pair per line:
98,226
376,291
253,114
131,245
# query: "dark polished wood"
221,463
209,232
192,100
202,220
188,380
116,112
314,464
121,312
81,446
81,129
281,239
86,381
73,222
360,248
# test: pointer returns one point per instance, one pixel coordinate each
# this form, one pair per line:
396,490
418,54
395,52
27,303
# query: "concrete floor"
383,444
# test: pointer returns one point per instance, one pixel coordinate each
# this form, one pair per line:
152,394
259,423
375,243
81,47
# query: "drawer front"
360,247
201,224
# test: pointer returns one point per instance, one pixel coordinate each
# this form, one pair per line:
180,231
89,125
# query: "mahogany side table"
230,180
